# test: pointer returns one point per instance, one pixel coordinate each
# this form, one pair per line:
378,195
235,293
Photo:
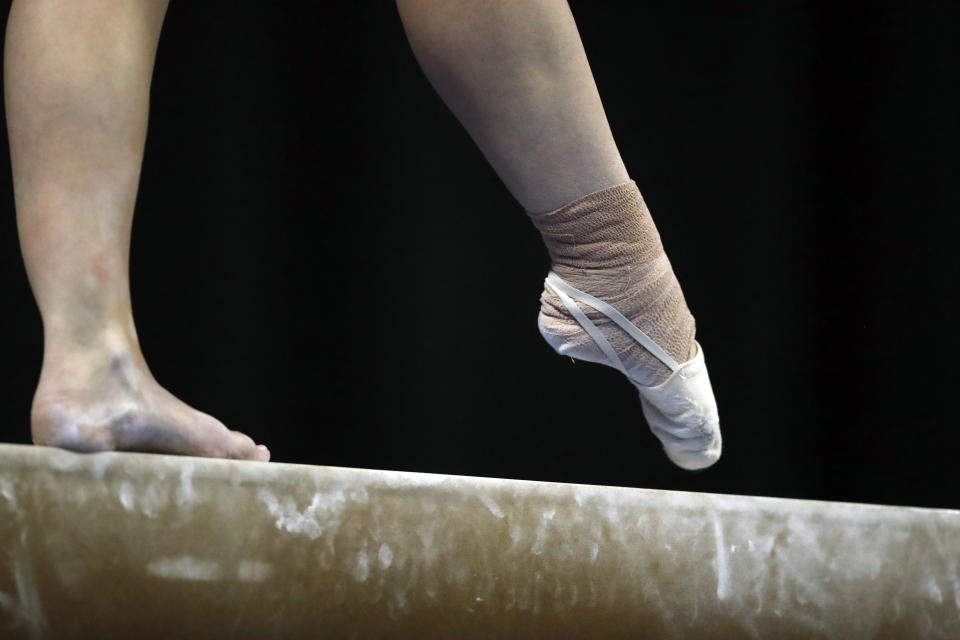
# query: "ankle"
607,230
613,284
91,345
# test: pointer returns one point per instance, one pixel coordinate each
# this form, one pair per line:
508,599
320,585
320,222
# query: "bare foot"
108,400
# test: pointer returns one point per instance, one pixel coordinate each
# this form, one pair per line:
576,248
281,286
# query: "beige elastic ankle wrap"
606,244
610,272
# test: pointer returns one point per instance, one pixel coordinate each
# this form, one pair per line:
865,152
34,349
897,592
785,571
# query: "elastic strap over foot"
568,293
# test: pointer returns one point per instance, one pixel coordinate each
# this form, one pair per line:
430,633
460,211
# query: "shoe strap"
565,292
590,328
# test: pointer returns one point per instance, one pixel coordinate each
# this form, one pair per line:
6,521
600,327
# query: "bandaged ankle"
606,244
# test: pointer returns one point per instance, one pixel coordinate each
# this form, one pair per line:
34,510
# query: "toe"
695,458
682,413
691,444
261,453
212,439
242,446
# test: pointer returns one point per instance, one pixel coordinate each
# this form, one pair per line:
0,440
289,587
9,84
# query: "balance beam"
128,545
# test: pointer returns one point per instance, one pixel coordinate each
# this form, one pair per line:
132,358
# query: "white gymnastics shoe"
680,411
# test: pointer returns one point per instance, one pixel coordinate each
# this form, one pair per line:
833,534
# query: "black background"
322,259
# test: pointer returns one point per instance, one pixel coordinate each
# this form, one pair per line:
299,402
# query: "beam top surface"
183,547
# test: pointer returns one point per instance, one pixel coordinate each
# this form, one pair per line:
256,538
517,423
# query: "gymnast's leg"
515,74
77,80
